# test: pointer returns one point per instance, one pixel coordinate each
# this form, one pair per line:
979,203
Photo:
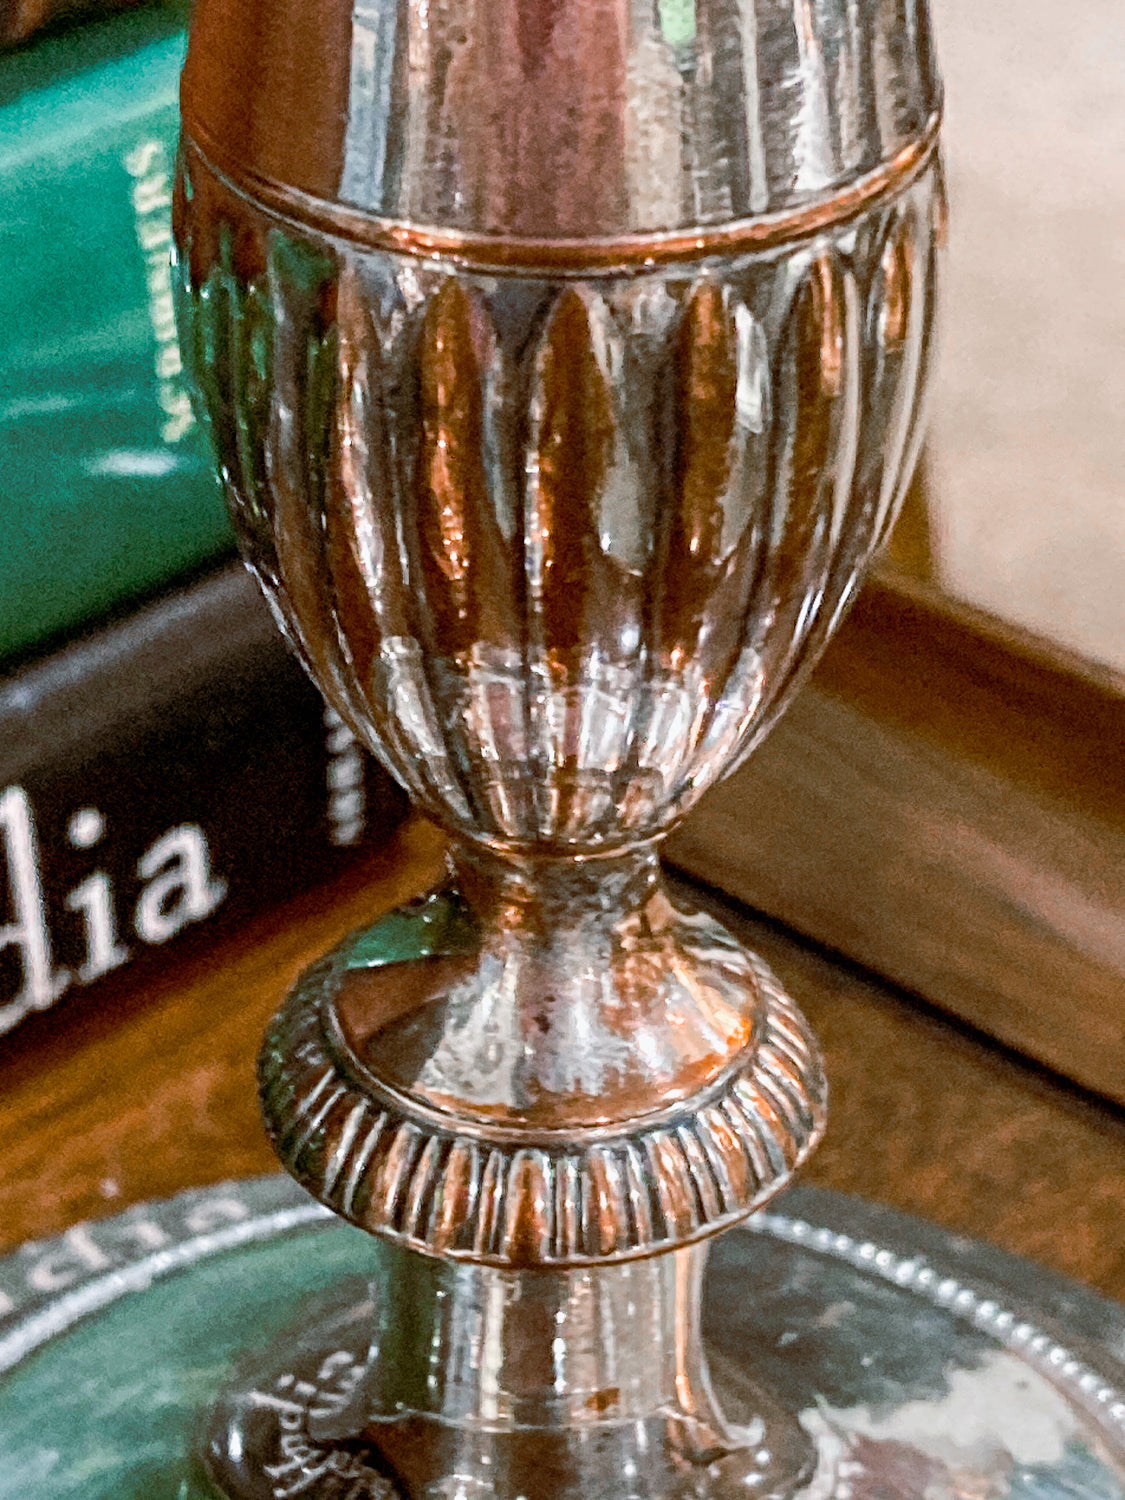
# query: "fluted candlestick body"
559,547
564,361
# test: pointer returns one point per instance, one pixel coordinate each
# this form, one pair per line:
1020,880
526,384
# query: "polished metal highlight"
558,552
574,120
414,1107
601,254
947,1369
564,361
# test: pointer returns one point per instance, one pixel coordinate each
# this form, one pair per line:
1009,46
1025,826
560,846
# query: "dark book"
168,774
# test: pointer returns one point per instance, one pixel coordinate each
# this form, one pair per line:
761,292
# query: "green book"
106,487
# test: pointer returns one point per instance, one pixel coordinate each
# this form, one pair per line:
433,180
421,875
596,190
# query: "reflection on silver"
945,1370
573,120
564,369
948,1369
671,1088
558,554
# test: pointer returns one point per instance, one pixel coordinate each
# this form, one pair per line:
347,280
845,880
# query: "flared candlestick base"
544,1088
464,1381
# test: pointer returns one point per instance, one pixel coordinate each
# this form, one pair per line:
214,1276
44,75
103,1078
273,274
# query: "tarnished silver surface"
564,362
922,1366
592,1383
916,1366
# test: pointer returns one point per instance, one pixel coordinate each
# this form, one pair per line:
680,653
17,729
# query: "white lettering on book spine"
94,899
42,986
347,801
180,888
147,164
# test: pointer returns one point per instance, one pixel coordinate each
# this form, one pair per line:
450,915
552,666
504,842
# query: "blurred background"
1027,453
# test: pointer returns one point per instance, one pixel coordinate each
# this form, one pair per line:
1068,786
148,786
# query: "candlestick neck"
543,1063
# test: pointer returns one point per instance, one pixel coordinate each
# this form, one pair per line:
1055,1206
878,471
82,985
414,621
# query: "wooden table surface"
153,1092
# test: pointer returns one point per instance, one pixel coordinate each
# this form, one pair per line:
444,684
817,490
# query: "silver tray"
924,1365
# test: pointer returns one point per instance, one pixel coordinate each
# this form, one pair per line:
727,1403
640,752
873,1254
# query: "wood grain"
945,804
930,1119
156,1093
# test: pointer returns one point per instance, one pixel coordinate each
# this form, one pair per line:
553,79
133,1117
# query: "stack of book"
165,767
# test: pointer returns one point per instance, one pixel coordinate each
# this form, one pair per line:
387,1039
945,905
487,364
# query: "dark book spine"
165,777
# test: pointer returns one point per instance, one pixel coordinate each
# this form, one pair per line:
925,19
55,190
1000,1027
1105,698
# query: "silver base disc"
920,1365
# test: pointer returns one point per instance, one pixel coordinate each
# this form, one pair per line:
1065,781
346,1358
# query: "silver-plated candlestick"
564,362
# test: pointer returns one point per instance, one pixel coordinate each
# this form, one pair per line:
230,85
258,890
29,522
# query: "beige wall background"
1028,448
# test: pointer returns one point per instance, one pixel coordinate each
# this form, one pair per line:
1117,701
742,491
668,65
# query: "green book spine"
106,490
